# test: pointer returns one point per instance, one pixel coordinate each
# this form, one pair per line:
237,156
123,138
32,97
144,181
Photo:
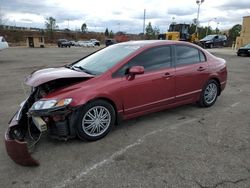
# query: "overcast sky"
126,15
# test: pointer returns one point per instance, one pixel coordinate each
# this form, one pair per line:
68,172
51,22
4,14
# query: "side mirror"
136,70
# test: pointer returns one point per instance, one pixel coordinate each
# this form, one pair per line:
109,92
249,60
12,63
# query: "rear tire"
96,120
209,94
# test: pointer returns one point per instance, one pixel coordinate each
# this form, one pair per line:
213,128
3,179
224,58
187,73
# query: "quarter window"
202,56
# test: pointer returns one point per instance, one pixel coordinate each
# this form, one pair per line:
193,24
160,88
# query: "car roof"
145,43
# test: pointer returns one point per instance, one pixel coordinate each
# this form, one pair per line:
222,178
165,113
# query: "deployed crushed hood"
45,75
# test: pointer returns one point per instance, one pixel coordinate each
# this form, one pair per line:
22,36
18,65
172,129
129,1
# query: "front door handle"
167,75
201,69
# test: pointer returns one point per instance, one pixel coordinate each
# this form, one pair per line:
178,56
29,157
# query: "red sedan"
86,98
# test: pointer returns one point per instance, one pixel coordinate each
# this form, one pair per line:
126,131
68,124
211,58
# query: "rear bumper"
18,151
223,85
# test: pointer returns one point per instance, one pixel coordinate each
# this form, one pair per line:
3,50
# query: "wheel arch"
218,82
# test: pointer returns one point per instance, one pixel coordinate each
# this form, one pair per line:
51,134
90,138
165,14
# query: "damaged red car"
87,98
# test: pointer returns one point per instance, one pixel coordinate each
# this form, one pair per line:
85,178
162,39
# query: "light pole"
208,24
217,29
68,23
119,27
144,18
173,18
198,2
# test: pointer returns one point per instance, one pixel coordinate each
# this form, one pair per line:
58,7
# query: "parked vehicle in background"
126,80
63,43
211,41
95,42
3,43
85,43
109,42
72,43
244,51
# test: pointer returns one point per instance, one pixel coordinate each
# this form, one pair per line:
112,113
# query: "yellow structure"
173,35
35,41
244,37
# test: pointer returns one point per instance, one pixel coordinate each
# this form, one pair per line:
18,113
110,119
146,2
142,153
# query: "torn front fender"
18,151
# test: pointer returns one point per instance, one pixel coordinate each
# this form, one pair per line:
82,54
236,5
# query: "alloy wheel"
210,93
96,121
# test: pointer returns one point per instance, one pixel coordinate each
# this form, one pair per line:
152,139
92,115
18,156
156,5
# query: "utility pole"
76,32
144,18
0,15
208,24
198,2
217,29
119,27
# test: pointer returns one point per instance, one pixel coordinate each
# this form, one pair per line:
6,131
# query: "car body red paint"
140,92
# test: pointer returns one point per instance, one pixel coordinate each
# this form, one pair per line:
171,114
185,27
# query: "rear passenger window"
188,55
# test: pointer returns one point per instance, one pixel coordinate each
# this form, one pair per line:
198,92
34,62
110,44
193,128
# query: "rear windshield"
209,37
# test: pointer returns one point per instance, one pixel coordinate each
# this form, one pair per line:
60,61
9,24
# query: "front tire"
209,94
96,119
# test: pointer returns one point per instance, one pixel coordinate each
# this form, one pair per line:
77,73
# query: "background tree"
234,32
106,32
201,30
84,28
149,31
152,33
192,29
156,31
111,34
50,24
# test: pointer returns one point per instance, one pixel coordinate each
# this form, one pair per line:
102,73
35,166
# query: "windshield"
103,60
209,37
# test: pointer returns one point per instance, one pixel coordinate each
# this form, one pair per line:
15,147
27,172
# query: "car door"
191,72
153,89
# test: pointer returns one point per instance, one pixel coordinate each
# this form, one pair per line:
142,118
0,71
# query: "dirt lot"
183,147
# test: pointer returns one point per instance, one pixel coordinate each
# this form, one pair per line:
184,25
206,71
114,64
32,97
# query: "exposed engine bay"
27,125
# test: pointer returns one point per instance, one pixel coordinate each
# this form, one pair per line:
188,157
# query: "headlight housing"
47,104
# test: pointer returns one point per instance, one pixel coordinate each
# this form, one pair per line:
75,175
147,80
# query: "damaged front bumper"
19,139
17,149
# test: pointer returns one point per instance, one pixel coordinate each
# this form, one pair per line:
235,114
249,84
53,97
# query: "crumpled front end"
17,142
29,124
18,151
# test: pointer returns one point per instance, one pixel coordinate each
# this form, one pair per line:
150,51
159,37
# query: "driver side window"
152,59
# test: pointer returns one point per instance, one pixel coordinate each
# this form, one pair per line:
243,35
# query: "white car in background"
3,43
83,43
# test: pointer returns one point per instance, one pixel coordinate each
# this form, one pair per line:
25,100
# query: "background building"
244,37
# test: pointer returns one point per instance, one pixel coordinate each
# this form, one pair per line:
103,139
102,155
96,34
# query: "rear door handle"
167,75
201,69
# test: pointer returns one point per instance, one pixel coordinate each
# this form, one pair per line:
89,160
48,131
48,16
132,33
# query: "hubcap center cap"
97,121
